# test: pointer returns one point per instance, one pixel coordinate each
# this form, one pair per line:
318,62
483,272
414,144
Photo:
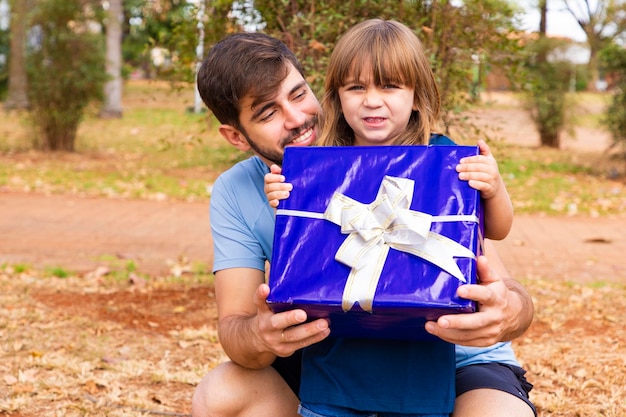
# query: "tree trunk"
550,138
17,97
593,65
113,88
543,27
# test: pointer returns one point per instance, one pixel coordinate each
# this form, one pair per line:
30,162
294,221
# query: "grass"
157,150
555,182
161,150
57,271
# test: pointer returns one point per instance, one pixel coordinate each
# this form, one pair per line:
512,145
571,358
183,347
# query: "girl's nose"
373,97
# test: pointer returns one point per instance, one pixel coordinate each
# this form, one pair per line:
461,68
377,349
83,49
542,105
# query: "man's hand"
250,333
284,333
504,311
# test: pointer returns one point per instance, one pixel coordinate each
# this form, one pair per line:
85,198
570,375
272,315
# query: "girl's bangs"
387,65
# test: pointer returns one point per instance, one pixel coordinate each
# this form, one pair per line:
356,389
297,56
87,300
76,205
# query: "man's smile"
305,135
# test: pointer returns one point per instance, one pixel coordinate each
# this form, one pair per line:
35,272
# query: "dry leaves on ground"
75,347
575,350
83,346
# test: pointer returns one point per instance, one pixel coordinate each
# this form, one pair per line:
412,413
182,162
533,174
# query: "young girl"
380,90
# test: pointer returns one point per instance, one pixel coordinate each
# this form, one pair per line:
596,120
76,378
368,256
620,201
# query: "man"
255,87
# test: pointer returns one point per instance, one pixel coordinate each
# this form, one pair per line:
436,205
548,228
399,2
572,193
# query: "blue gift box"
376,239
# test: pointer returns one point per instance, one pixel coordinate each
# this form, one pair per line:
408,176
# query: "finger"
278,186
302,335
477,168
486,274
481,294
275,169
260,297
481,186
271,179
484,148
277,195
465,322
302,332
474,329
476,175
462,337
474,166
449,335
465,162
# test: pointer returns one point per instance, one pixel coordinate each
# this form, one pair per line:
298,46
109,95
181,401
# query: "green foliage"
547,84
613,60
464,43
172,26
459,39
463,39
311,29
65,69
582,78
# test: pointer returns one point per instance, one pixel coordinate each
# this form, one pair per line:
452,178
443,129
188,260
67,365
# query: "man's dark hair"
243,64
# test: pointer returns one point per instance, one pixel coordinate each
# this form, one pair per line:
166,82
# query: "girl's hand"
481,171
276,188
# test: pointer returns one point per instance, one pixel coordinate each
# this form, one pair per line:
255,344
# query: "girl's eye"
354,88
391,86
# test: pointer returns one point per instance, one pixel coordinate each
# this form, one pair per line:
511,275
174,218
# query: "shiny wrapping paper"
376,239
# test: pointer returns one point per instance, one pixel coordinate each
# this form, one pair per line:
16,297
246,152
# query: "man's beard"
277,156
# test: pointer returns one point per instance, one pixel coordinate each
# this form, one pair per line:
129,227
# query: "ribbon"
386,223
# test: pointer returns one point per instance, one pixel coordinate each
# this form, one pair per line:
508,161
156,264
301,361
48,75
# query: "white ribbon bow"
386,223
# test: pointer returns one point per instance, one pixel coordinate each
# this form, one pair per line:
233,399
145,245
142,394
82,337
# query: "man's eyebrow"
256,115
258,112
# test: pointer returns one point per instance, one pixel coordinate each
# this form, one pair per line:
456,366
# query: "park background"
106,329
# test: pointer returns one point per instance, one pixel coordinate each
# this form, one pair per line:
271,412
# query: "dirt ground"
90,345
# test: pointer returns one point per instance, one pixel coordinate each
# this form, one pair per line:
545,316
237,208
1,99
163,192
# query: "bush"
613,60
65,69
548,82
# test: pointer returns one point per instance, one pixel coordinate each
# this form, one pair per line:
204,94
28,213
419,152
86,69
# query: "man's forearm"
241,343
521,311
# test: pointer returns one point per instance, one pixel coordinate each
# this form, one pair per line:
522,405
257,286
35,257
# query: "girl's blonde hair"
394,55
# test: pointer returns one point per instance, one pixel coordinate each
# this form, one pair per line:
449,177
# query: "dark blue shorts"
507,378
290,369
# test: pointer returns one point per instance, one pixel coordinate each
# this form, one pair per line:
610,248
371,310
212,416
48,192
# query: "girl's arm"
482,173
275,186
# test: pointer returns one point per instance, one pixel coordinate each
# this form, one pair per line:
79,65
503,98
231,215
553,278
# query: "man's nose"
294,117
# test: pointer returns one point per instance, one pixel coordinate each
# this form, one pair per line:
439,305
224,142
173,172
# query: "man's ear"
234,137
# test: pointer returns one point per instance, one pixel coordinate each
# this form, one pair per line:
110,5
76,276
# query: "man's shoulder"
247,166
246,171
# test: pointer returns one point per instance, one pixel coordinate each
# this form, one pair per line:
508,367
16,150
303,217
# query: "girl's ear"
234,137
